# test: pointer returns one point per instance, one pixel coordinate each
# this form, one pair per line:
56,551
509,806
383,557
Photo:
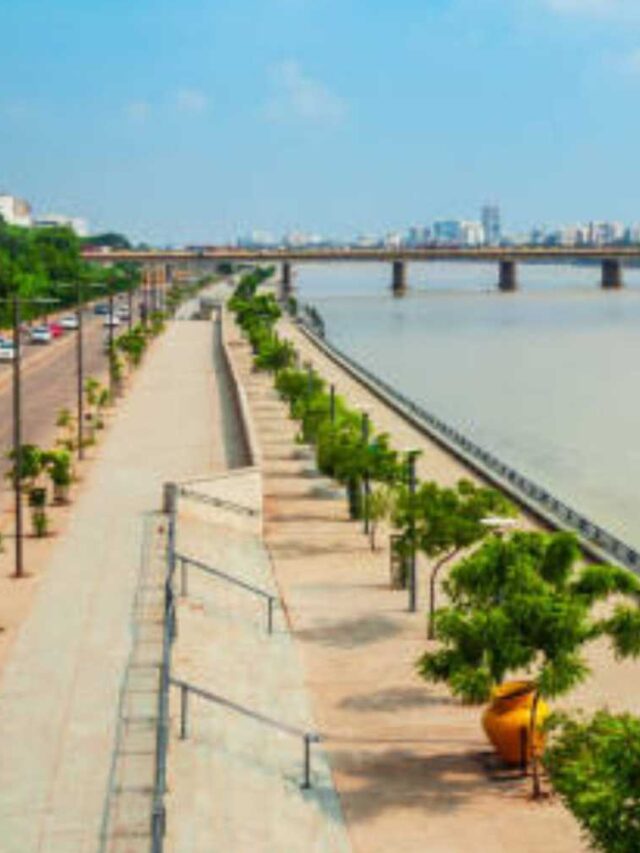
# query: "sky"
193,121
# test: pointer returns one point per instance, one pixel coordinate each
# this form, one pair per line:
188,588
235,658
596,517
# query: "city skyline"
195,122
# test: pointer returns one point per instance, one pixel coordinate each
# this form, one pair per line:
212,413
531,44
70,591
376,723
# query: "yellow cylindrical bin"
507,721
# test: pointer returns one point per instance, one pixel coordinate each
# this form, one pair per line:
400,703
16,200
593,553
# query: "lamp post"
16,302
411,482
366,428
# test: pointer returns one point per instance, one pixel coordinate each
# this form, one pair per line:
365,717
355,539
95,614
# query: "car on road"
7,350
41,335
101,308
69,322
123,312
111,320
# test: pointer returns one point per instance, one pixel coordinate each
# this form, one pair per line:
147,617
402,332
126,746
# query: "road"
49,384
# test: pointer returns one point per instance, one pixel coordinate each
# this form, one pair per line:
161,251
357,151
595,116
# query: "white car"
111,320
7,351
69,322
123,312
41,335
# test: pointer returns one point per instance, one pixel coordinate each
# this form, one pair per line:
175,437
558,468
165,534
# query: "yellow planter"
507,721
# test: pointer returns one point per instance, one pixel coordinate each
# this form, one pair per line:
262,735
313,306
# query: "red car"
56,330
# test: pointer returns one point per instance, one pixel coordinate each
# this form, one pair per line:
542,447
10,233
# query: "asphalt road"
49,384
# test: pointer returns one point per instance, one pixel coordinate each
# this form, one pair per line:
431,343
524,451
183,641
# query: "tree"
522,604
381,505
594,765
449,520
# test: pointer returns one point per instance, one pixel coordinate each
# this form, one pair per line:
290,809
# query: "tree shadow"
395,699
399,779
349,633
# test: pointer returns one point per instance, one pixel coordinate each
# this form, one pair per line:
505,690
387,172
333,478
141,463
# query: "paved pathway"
411,765
59,694
235,782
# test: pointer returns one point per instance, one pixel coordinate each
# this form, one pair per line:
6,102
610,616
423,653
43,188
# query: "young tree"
448,521
522,604
594,765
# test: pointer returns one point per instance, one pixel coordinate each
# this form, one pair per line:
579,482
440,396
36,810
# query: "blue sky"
193,120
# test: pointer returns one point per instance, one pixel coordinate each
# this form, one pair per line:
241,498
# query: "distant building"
491,223
458,232
58,220
257,240
15,211
418,236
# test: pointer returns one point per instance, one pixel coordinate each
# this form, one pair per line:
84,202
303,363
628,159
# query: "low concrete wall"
239,396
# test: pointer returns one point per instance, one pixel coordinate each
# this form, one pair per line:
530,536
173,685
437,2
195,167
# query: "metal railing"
594,538
308,737
186,561
158,818
221,503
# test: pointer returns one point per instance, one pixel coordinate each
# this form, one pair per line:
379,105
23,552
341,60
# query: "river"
545,378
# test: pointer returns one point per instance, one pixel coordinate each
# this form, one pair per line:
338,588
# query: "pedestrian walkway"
235,782
411,765
60,690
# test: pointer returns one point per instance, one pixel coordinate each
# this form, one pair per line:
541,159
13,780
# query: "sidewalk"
59,693
234,784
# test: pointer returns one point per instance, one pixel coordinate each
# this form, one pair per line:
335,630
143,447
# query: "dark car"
101,308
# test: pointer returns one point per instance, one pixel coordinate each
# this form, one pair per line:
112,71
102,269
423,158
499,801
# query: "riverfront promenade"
411,765
60,687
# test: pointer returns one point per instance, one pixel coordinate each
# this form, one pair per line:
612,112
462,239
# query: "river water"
546,378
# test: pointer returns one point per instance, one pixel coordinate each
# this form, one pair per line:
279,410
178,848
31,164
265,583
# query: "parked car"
101,308
69,322
7,350
111,320
123,312
56,330
41,335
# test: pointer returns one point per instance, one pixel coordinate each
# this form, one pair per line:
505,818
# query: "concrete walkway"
235,782
59,694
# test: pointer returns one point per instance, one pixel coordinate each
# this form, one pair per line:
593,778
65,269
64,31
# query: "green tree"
525,604
594,764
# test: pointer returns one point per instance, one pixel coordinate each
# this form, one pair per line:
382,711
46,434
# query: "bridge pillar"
399,278
286,281
508,281
611,274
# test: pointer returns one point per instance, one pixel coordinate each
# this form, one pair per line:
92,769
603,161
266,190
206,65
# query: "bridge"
610,258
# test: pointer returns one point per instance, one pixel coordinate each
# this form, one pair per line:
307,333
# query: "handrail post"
306,783
270,615
184,711
184,580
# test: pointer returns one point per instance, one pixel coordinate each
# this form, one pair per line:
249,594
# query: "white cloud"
191,101
298,96
138,112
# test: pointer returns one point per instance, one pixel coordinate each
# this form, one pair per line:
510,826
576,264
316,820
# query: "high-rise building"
491,224
15,211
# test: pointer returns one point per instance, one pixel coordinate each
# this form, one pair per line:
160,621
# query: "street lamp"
16,302
411,482
80,286
366,428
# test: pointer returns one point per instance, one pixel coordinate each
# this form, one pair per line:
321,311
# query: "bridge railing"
595,540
